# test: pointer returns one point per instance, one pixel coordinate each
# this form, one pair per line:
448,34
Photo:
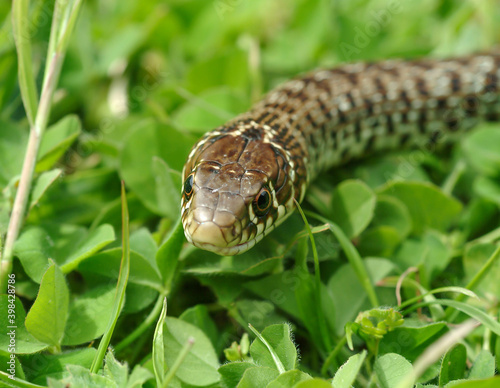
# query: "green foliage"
46,319
405,245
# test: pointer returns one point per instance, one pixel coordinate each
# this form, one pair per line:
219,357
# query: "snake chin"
224,250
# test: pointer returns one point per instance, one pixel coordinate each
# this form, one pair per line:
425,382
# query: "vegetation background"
141,81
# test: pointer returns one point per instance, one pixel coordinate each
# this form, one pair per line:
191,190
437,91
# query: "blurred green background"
142,80
147,78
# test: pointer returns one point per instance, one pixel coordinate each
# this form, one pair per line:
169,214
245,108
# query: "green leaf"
429,207
8,362
26,343
390,167
258,313
279,289
390,211
89,314
168,254
410,340
201,364
120,44
484,366
168,182
352,204
158,348
390,369
258,377
308,298
138,377
289,379
79,197
486,319
93,242
313,383
67,245
485,383
256,261
46,319
107,264
483,151
430,253
347,373
41,185
379,241
357,263
487,188
79,376
142,242
115,371
479,216
232,372
453,365
199,316
278,351
13,140
476,256
229,68
41,366
146,142
56,141
209,109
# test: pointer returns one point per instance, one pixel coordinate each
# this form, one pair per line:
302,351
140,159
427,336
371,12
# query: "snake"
244,178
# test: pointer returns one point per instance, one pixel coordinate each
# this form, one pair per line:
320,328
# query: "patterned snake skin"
241,179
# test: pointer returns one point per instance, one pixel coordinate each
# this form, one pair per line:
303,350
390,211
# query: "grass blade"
27,86
158,348
317,276
473,312
277,361
478,277
120,287
354,259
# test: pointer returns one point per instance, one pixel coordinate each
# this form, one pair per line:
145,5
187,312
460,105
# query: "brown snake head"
237,188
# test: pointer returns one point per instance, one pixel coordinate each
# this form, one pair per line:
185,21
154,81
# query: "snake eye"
188,186
262,202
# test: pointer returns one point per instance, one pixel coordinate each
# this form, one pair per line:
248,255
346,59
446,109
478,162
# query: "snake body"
241,179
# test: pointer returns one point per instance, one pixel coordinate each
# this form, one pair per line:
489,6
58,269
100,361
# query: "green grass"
400,286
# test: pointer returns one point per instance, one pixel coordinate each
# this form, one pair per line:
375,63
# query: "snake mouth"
211,239
224,250
223,238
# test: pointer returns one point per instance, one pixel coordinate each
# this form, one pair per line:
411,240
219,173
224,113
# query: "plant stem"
178,361
28,169
331,357
60,32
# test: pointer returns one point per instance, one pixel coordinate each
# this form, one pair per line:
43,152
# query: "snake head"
237,188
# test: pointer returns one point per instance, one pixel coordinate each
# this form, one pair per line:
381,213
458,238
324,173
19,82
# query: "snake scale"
241,179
